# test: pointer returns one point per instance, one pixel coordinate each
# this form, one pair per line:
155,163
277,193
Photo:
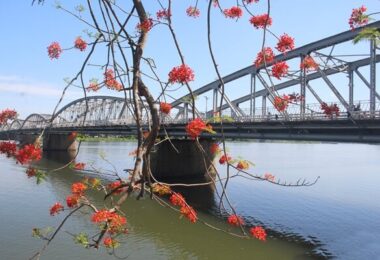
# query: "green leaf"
82,239
40,177
370,33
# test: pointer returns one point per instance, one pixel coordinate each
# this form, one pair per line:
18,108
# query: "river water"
338,217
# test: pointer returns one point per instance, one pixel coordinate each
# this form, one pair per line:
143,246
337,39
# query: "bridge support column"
264,106
59,142
215,101
303,90
372,99
351,88
25,139
187,161
252,101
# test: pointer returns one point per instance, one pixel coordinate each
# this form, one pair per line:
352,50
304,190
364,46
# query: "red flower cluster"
235,220
242,165
224,158
73,135
72,201
233,12
110,243
31,172
181,74
54,50
309,64
193,12
264,57
269,177
115,186
195,127
8,148
214,149
280,69
285,43
7,114
93,86
358,17
116,223
258,232
78,188
281,104
80,44
165,107
261,21
177,199
330,110
56,208
145,26
189,213
163,14
28,154
79,166
110,81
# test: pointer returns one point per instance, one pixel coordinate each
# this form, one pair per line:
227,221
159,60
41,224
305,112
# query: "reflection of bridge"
113,115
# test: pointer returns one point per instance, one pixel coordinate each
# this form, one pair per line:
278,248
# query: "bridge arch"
35,121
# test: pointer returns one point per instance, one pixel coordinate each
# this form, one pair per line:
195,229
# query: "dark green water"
338,217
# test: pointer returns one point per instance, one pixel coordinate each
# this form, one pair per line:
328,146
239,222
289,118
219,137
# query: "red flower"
73,135
195,127
181,74
261,21
269,177
56,208
285,43
235,220
7,114
79,166
264,57
224,158
78,188
145,26
177,199
330,110
110,243
280,103
309,64
93,86
358,17
116,222
243,165
165,107
192,12
163,14
258,232
280,69
114,186
233,12
101,216
189,213
28,154
214,148
80,44
110,81
8,148
72,201
31,172
54,50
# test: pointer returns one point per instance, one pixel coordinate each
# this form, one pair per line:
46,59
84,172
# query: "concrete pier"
59,142
166,162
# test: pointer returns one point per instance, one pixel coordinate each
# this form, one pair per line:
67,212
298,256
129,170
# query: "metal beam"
304,50
252,103
351,88
372,81
366,82
314,93
303,89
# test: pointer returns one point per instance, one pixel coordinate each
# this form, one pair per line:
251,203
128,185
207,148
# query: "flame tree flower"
235,220
261,21
285,43
264,56
195,127
193,12
233,12
182,74
259,233
80,44
280,69
54,50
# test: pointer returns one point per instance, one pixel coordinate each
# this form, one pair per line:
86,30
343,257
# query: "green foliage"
368,34
81,239
41,232
80,8
40,176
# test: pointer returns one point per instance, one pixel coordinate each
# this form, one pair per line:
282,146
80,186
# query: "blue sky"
31,82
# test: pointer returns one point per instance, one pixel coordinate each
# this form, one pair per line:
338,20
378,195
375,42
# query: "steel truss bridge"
359,120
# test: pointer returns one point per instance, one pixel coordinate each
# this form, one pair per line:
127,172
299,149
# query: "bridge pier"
25,139
187,161
59,142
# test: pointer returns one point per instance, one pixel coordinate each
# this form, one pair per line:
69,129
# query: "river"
338,217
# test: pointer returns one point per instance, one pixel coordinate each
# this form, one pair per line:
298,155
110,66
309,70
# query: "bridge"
358,121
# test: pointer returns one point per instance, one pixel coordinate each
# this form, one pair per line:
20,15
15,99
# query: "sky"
32,83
